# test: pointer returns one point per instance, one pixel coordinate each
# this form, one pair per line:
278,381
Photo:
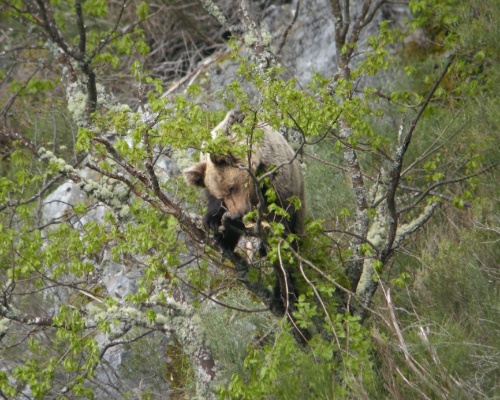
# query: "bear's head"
227,179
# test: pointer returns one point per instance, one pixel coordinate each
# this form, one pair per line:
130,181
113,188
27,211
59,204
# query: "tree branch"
426,192
288,28
395,173
81,27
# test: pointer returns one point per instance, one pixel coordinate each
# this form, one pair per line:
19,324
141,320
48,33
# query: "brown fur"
225,181
232,193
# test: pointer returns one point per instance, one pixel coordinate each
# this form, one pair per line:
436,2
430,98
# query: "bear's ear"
220,160
195,175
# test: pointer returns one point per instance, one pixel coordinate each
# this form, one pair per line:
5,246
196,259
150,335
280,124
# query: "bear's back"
288,181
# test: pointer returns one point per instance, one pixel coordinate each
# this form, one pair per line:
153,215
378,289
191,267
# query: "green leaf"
143,10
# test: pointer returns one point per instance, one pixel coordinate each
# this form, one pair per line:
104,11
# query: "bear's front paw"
232,225
212,223
228,234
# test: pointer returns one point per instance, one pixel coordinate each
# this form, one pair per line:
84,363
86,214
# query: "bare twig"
395,173
410,361
288,28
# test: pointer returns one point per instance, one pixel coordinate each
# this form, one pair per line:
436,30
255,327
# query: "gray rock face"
120,279
61,201
133,370
309,47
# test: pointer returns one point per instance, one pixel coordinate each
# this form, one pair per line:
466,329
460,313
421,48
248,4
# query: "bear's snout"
237,206
237,216
232,217
235,213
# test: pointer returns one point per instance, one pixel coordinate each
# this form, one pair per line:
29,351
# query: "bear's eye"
232,189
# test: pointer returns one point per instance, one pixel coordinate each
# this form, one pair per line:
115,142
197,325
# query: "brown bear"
232,193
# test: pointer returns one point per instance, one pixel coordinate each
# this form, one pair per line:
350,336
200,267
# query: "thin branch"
395,173
220,303
122,161
42,191
431,149
193,74
288,28
370,15
285,291
325,276
111,36
47,23
323,306
4,111
427,101
363,239
212,9
358,25
341,23
410,361
82,43
444,197
338,166
407,229
429,190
